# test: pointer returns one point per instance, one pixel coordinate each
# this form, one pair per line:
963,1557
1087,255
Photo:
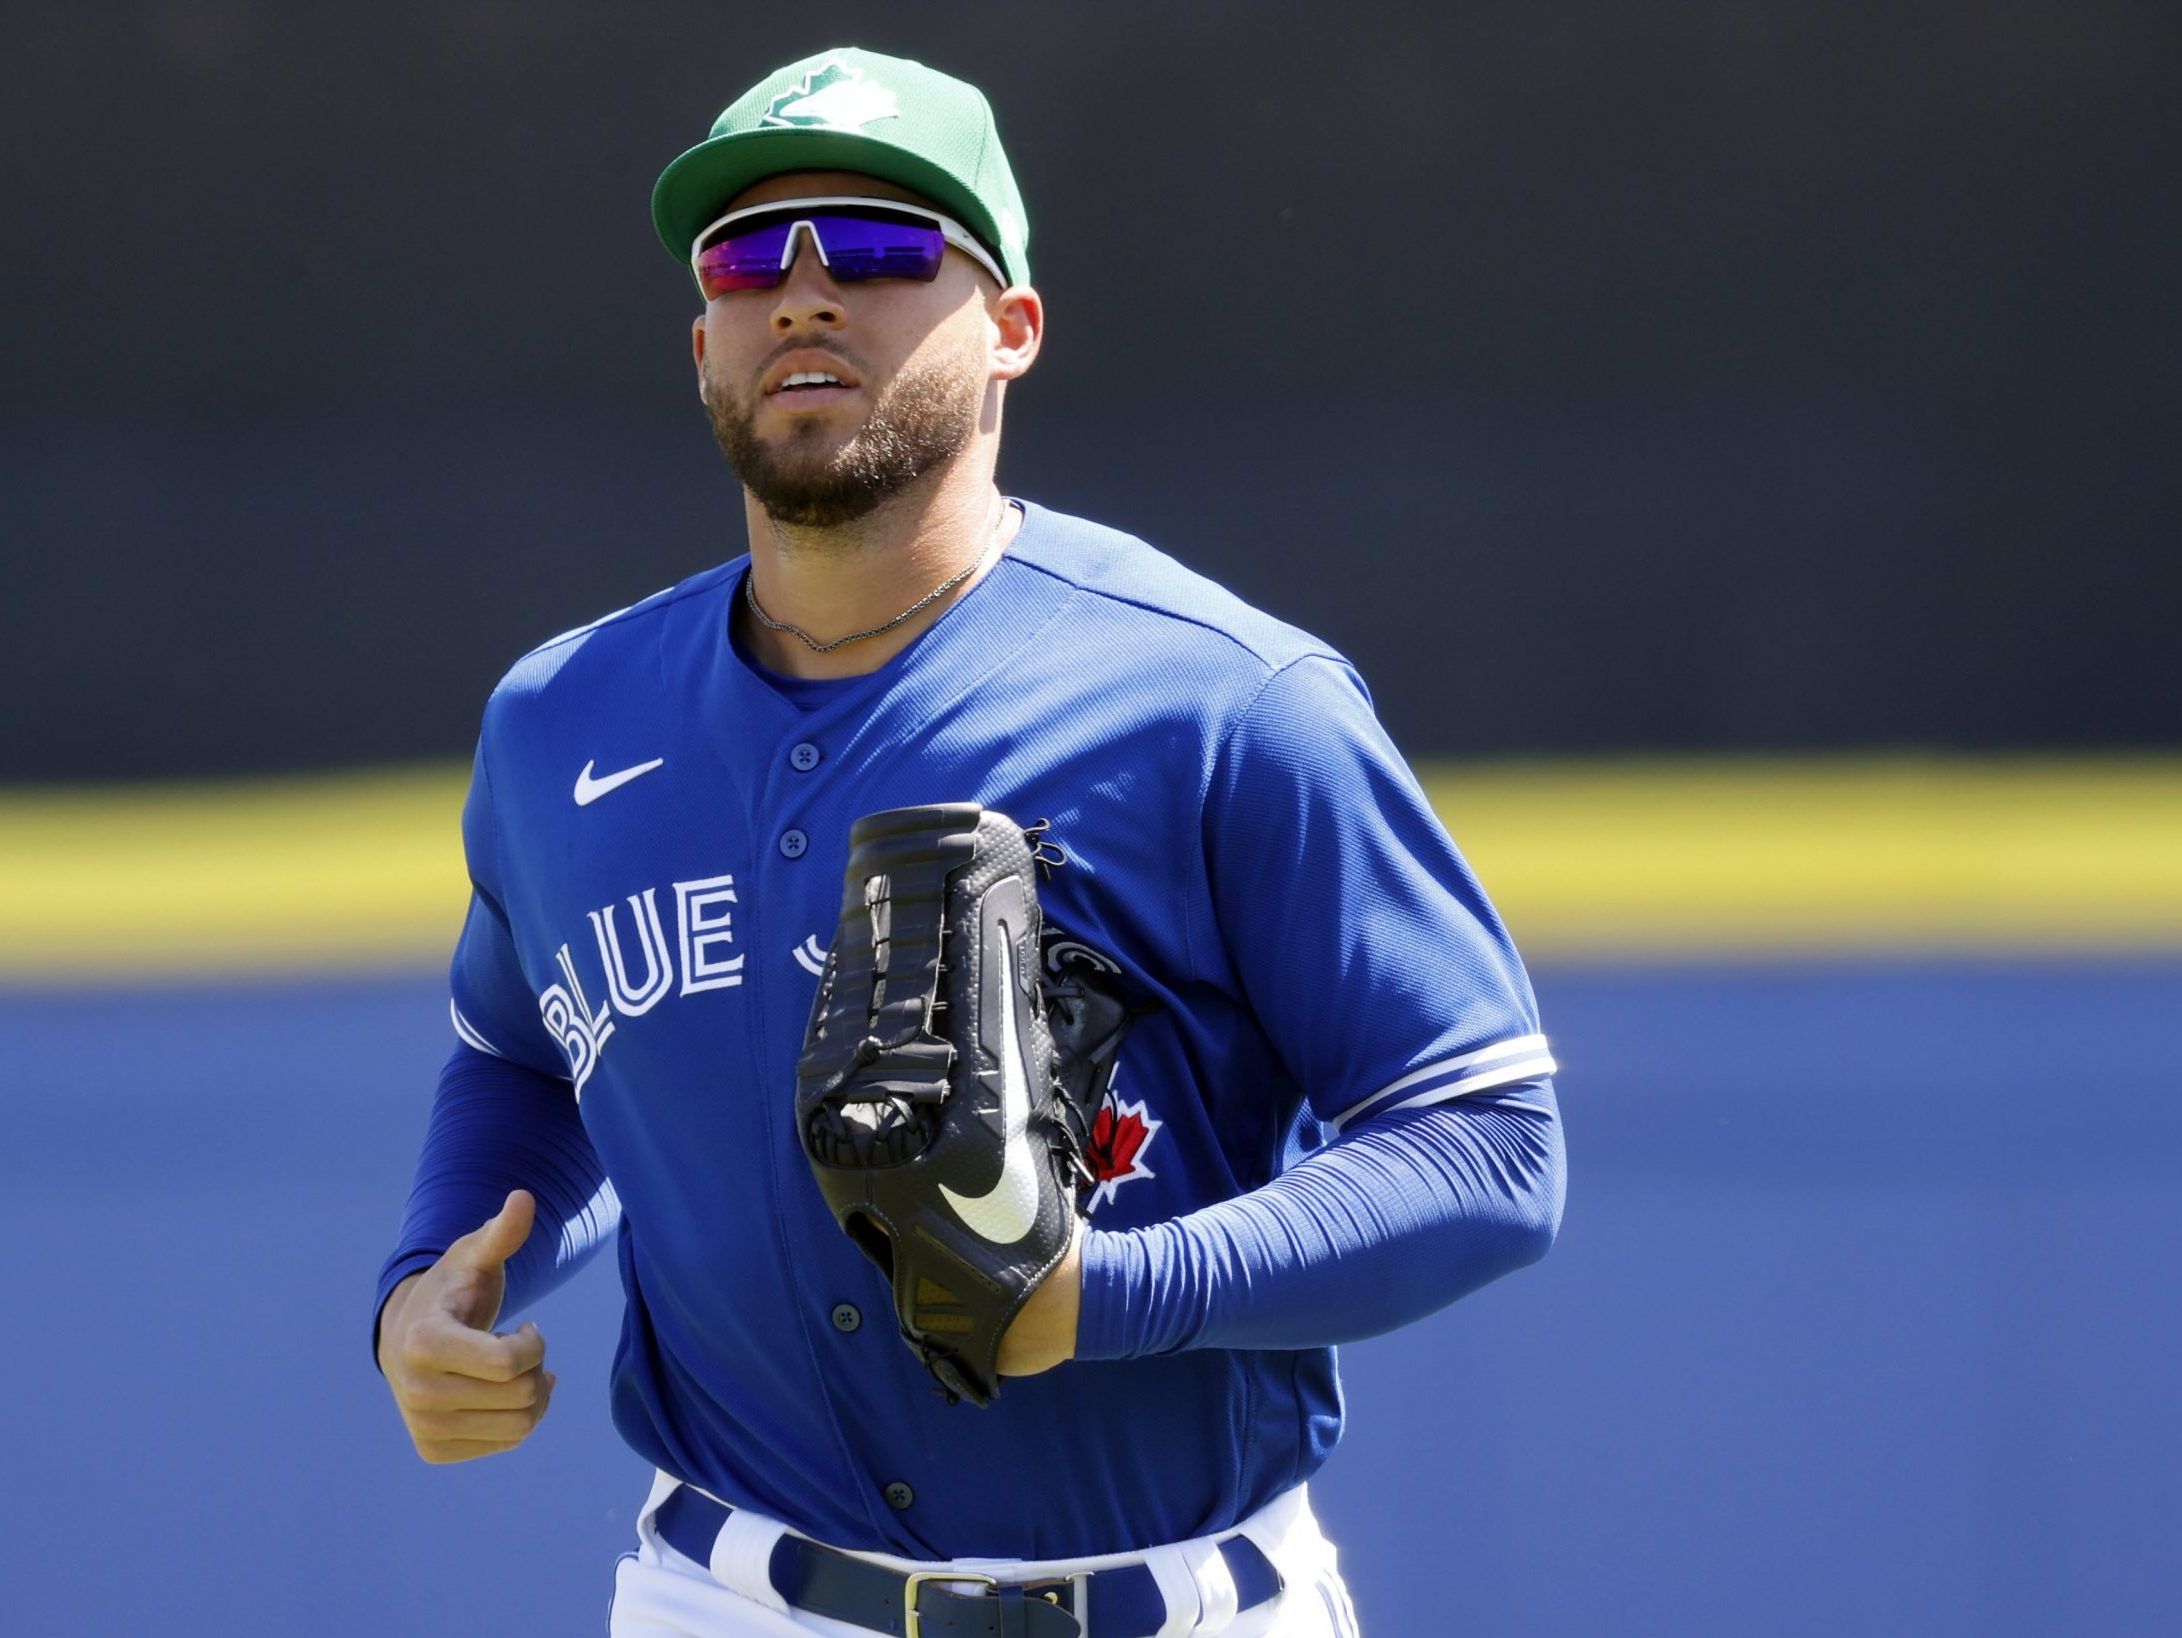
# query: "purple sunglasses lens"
747,259
867,247
857,247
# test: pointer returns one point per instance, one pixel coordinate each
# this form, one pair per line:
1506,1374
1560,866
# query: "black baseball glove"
932,1104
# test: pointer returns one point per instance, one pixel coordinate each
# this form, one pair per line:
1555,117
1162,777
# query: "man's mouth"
814,378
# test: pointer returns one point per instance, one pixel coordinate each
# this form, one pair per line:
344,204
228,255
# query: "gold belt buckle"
912,1622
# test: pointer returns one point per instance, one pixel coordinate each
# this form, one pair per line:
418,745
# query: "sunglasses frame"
952,231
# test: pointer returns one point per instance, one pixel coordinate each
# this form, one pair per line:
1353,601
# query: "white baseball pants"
658,1593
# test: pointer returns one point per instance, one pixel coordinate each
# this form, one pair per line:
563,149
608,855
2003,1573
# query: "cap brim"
693,191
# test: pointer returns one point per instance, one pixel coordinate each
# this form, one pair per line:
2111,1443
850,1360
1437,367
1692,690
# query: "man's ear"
1019,315
697,343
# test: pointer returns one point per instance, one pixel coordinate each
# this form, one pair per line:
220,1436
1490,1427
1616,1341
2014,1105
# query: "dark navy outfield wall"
1861,1322
1752,374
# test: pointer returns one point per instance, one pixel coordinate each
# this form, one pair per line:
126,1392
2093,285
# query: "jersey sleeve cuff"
1515,1059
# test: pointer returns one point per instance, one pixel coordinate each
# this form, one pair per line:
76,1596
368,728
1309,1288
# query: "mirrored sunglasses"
856,239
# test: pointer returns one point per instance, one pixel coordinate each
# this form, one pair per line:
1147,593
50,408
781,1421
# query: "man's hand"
464,1390
1044,1331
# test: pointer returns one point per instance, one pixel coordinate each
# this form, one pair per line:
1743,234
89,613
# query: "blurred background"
1736,442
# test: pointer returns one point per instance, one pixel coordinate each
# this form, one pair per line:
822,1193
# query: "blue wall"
1862,1321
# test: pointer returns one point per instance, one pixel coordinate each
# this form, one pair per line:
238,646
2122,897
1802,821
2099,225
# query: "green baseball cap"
854,110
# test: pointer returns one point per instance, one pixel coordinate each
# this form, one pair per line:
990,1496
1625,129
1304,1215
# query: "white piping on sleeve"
1541,1065
468,1031
1447,1081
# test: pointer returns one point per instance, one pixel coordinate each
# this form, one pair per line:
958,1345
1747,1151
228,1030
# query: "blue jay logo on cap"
835,95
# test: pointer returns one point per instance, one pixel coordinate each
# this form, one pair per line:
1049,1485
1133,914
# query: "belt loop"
1215,1584
664,1484
1283,1528
742,1557
1171,1573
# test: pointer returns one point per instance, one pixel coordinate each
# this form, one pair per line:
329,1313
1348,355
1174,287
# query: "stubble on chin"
812,478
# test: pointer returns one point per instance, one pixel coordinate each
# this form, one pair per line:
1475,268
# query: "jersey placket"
797,884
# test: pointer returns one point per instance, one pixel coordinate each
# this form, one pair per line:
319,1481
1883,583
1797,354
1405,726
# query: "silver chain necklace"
750,596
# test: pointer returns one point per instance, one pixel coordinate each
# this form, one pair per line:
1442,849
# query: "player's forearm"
1391,1222
496,1126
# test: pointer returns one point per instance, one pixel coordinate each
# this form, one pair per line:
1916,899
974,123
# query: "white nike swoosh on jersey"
589,790
1008,1210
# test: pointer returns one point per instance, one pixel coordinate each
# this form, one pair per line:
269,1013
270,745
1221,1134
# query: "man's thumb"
501,1236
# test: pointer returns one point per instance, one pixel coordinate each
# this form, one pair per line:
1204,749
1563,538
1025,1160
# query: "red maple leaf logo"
1120,1133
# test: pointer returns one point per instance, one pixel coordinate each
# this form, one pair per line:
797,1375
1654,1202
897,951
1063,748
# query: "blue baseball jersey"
656,832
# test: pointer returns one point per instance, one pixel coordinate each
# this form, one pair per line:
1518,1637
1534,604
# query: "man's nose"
806,293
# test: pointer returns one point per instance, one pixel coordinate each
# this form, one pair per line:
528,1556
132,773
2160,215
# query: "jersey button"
793,844
805,757
898,1496
845,1316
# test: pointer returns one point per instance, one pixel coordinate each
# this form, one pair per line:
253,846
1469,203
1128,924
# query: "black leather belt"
1124,1602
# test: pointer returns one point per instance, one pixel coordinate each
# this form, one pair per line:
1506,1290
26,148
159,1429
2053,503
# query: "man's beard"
924,418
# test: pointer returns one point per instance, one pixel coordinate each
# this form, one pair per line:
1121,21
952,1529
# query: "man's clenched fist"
463,1389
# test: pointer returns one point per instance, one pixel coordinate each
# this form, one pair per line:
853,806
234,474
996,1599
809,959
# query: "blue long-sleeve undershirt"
1391,1221
496,1126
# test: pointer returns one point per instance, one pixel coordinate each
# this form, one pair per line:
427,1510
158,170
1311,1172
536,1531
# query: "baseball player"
1007,1003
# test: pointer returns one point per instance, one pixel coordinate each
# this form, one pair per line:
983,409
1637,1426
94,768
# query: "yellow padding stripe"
1636,858
1813,856
341,872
